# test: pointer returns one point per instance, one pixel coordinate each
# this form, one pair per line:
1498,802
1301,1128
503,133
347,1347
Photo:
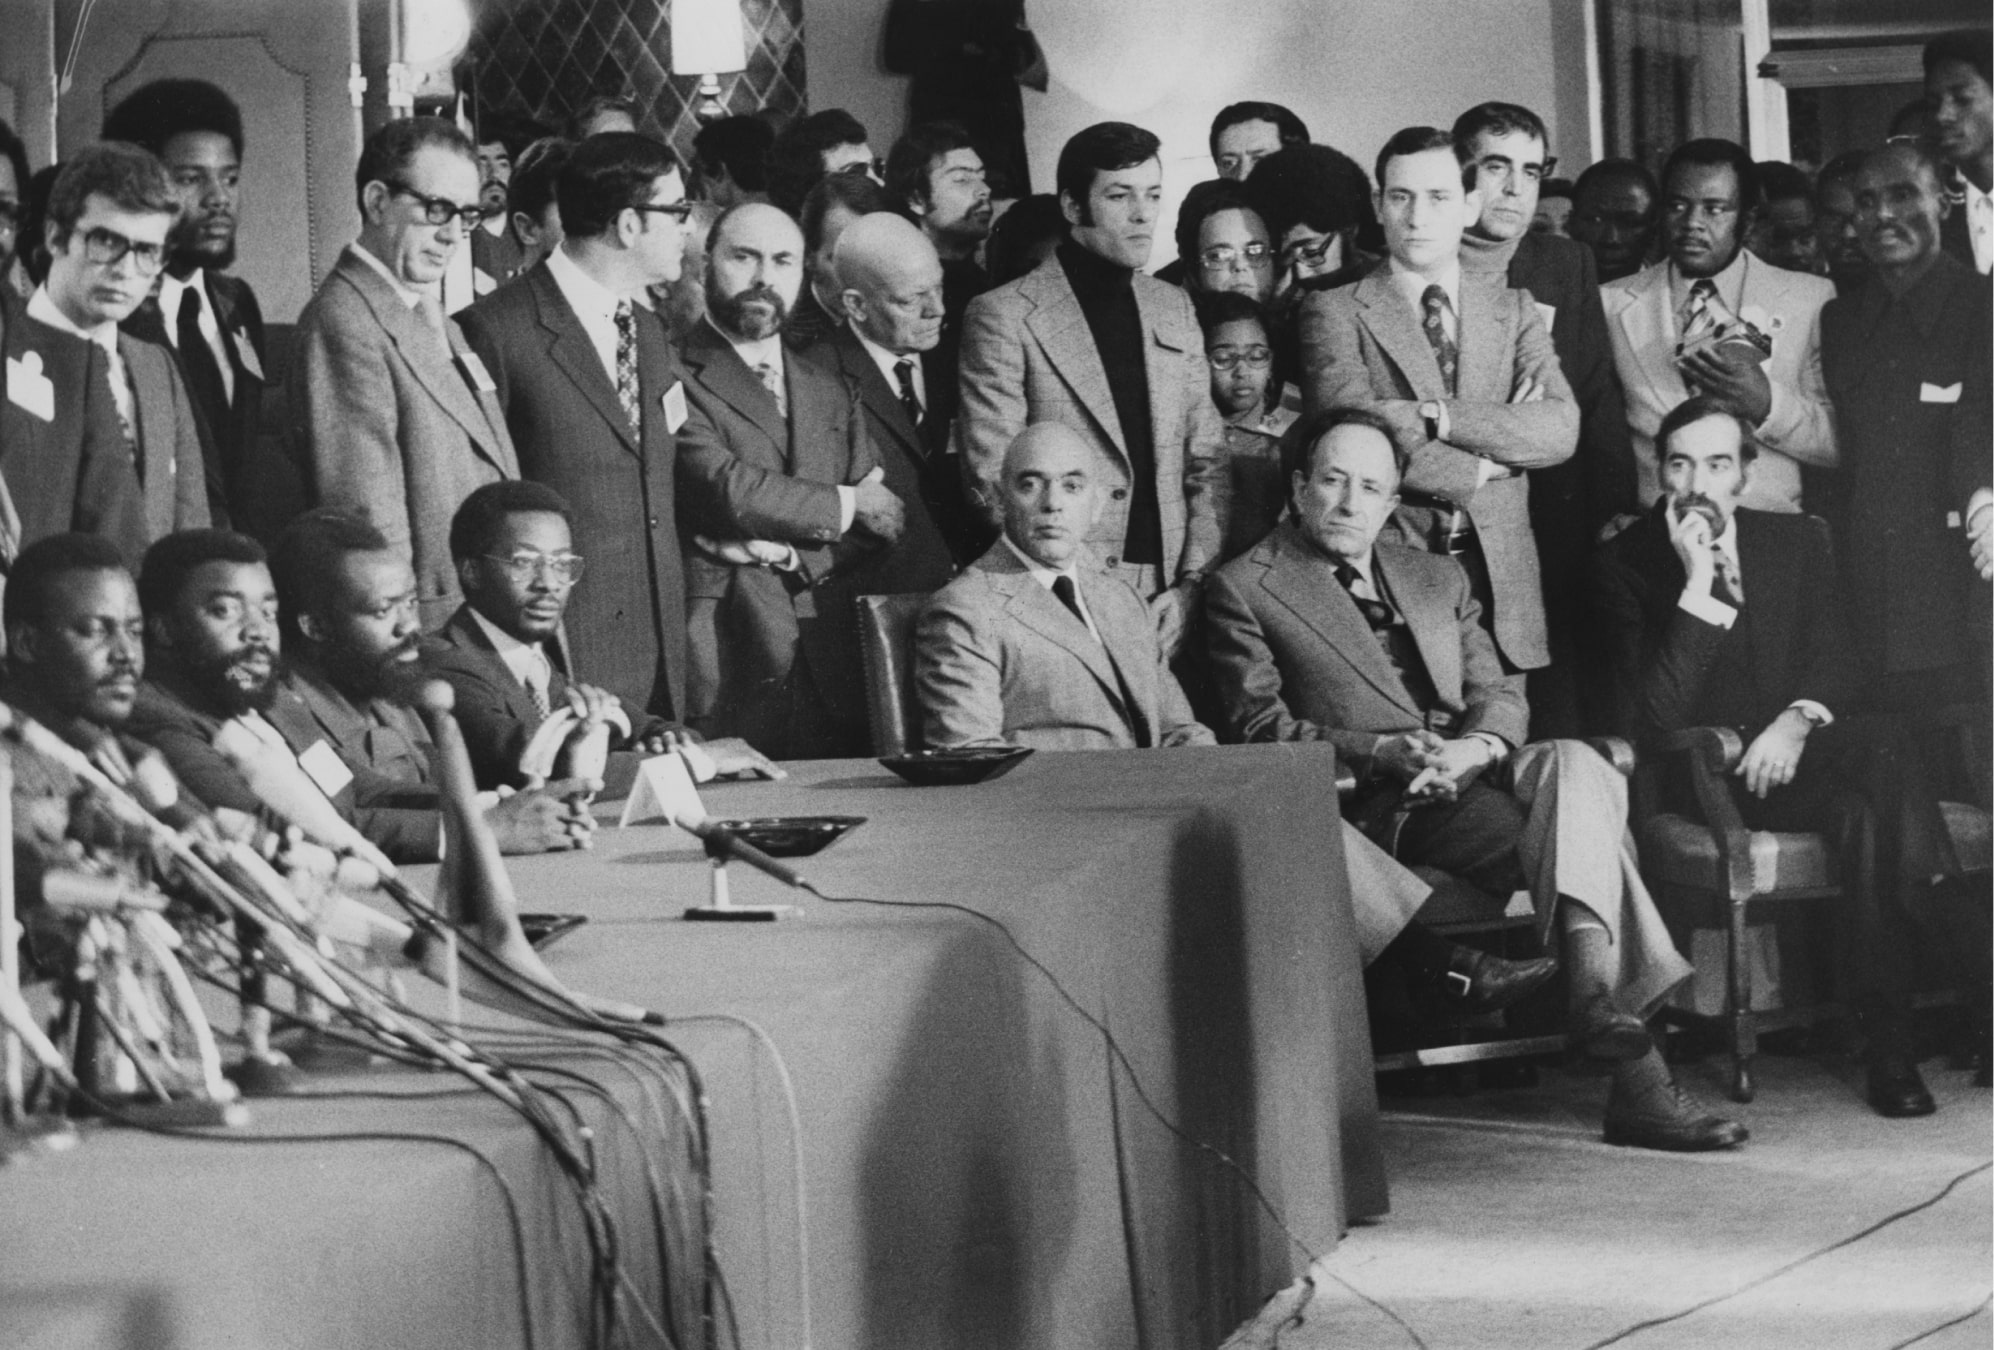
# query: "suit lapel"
1163,363
1769,595
1039,610
1434,628
816,408
464,632
235,336
1307,585
1060,327
1125,648
1649,324
1391,321
881,398
570,348
716,365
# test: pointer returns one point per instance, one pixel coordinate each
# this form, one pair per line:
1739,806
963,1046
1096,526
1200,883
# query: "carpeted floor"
1513,1227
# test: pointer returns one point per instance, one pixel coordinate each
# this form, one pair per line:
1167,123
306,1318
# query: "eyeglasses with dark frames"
108,248
564,569
1253,358
679,211
439,210
1223,257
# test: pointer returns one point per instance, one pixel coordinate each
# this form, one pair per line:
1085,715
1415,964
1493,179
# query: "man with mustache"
213,656
498,253
210,319
1712,318
1717,615
786,488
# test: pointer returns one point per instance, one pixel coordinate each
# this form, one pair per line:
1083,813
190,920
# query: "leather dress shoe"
1895,1089
1604,1031
1672,1121
1479,983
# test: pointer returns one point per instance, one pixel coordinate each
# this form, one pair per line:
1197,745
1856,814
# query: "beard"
733,315
359,676
236,690
191,249
1701,505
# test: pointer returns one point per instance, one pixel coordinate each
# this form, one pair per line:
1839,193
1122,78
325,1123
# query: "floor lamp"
706,41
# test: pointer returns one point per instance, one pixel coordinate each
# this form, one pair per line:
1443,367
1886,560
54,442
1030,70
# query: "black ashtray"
958,767
791,836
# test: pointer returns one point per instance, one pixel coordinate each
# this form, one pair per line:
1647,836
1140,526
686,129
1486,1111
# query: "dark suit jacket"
1662,655
70,471
399,817
1910,462
745,473
172,447
626,619
384,422
1363,345
1293,658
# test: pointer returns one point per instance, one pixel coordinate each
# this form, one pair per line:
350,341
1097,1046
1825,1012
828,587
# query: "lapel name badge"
474,370
245,354
1933,393
28,389
326,768
674,404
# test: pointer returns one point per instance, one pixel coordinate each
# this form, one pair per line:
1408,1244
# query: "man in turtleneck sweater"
1569,502
1091,343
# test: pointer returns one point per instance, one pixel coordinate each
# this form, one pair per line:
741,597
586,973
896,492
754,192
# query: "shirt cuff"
1498,747
1445,424
792,561
848,507
1977,503
1708,608
1821,715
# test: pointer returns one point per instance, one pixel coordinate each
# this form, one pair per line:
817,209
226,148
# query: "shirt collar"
758,352
410,296
584,292
887,360
1730,284
1413,286
1042,574
524,659
42,307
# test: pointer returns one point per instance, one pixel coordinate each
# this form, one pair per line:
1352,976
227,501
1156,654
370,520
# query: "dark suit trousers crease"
1473,837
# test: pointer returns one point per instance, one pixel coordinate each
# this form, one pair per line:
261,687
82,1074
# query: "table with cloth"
978,1167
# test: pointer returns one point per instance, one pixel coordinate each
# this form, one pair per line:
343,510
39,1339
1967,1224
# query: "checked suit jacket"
626,618
1362,345
172,443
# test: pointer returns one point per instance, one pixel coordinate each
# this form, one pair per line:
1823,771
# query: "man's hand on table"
550,819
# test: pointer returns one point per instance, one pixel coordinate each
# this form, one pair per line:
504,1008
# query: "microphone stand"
19,1129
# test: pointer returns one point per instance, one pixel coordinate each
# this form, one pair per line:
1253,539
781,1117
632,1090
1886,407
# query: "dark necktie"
903,371
1727,587
1434,306
626,367
1376,612
1062,586
204,373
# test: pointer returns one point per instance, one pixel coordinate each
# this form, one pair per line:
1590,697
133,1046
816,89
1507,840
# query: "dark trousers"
1473,837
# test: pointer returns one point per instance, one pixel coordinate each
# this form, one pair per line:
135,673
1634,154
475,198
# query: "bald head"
891,282
1051,497
754,268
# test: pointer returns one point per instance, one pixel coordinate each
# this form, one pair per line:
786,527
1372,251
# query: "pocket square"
1933,393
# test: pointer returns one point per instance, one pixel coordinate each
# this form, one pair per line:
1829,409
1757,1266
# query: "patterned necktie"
1697,320
1434,306
204,373
903,371
1728,587
626,367
771,380
119,382
1376,612
537,688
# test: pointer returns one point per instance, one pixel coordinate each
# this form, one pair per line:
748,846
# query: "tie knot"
190,301
1346,574
1434,300
625,312
1705,290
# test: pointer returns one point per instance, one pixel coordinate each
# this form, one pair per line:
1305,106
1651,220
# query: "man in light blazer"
1757,344
1461,368
593,397
393,415
1323,632
784,499
1088,341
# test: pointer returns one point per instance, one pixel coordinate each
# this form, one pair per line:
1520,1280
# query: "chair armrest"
1721,747
1617,752
1713,752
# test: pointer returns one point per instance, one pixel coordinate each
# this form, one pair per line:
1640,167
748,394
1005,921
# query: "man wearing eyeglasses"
393,416
1711,318
110,212
1569,502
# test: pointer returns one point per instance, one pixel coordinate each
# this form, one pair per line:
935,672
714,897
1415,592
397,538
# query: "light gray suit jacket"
1786,307
1362,345
1028,356
1294,659
999,660
384,423
175,485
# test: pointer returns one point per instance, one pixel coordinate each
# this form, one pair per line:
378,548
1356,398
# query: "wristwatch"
1810,715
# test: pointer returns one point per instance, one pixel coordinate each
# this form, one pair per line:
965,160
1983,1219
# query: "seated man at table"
213,657
1322,633
505,654
1035,644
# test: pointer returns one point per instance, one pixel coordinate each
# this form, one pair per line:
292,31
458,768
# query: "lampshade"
434,32
706,37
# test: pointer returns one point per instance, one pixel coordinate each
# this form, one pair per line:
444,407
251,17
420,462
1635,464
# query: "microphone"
722,842
274,776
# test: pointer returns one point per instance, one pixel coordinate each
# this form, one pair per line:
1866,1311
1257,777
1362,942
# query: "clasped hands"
1733,372
1432,768
876,509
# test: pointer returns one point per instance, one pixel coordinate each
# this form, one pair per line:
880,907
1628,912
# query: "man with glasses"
393,416
1569,502
588,385
1711,318
110,213
1222,244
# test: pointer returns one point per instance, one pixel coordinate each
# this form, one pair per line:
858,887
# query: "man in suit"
1722,616
498,253
1087,340
63,462
828,209
504,652
895,312
1960,103
1616,212
1713,317
109,214
593,398
1034,644
1460,367
393,415
1906,361
209,319
1323,632
1570,502
786,494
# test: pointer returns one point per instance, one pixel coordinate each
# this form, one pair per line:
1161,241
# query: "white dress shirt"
410,296
104,336
1980,225
767,351
1045,576
171,288
526,660
1714,611
1729,283
594,304
887,361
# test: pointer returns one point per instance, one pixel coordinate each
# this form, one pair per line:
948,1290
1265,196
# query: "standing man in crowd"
533,196
831,141
1088,340
110,213
1460,367
731,156
1711,318
1569,502
1616,209
1243,134
211,319
1837,243
780,473
835,202
1960,104
393,415
591,393
498,254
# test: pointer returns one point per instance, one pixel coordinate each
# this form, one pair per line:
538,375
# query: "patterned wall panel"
547,57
